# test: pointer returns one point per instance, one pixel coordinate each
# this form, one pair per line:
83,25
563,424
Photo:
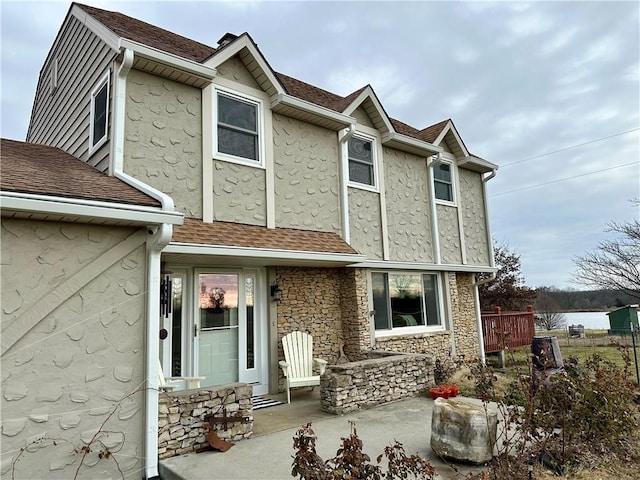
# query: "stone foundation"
181,417
383,378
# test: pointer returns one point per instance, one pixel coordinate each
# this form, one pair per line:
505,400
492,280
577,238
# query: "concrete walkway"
268,454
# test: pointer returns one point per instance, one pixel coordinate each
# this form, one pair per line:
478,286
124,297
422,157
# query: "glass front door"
228,328
220,304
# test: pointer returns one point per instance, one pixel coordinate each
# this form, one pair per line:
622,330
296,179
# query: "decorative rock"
462,430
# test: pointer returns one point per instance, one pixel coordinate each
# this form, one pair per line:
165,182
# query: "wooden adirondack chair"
163,386
298,362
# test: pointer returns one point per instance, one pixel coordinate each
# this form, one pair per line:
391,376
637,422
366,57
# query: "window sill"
446,202
238,160
362,186
401,332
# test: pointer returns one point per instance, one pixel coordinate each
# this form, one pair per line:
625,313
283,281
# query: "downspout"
435,236
344,179
159,237
492,262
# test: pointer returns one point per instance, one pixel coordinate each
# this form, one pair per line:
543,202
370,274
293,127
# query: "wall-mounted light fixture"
276,293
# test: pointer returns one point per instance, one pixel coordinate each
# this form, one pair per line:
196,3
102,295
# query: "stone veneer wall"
311,302
351,386
182,415
356,325
465,325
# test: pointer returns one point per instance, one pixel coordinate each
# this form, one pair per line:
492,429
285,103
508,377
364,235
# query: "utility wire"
570,147
564,179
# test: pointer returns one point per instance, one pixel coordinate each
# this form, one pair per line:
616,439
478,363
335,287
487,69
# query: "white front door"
230,327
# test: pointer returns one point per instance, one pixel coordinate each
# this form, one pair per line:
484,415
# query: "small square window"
238,128
99,114
443,181
361,161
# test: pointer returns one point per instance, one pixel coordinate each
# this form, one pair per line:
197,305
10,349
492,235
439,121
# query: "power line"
564,179
570,147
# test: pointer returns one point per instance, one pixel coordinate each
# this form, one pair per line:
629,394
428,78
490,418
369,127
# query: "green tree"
507,290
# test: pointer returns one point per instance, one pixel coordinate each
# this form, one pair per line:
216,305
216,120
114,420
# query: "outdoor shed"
620,320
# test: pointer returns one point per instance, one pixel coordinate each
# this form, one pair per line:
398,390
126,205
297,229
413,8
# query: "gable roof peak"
226,39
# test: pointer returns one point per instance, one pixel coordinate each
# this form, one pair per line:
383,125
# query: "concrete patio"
268,454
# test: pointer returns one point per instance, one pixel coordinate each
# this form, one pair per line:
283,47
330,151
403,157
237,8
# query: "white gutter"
264,253
344,181
492,261
193,68
427,147
299,104
435,236
158,238
438,267
75,207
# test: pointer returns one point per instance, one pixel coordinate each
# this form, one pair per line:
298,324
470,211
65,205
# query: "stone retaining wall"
384,377
181,417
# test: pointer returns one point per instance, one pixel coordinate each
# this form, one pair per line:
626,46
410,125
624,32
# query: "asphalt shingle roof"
40,169
252,236
156,37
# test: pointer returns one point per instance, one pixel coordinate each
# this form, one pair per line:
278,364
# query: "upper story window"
238,127
99,114
402,300
361,161
443,181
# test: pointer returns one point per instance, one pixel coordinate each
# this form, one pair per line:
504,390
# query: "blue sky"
549,91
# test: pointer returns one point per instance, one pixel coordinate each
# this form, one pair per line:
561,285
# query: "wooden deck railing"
507,329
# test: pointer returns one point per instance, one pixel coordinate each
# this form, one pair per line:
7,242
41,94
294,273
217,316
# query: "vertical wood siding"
61,118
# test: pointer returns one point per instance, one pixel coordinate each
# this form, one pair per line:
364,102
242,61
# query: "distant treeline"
595,300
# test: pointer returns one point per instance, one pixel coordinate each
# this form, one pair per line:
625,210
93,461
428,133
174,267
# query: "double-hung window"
99,114
238,127
443,181
406,299
361,161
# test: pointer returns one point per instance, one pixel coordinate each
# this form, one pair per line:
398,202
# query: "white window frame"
259,104
104,81
398,331
452,170
374,157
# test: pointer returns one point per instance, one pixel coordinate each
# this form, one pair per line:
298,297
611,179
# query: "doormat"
263,402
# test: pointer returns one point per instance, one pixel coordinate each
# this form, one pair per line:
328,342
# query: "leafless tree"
615,264
548,314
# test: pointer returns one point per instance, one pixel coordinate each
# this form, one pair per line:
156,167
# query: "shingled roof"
156,37
252,236
44,170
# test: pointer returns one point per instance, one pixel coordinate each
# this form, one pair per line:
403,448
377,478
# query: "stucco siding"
408,215
82,289
233,69
306,176
239,193
163,138
449,234
363,119
473,218
366,223
60,117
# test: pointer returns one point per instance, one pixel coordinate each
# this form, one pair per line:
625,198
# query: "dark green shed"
620,320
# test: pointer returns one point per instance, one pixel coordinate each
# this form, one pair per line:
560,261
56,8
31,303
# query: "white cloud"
392,87
466,55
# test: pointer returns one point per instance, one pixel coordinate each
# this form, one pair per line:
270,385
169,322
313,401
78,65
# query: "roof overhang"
188,253
477,164
435,267
250,55
410,145
291,106
369,101
167,65
45,207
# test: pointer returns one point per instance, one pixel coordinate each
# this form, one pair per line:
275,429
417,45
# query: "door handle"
195,330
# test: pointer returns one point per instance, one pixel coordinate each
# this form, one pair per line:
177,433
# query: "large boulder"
463,429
